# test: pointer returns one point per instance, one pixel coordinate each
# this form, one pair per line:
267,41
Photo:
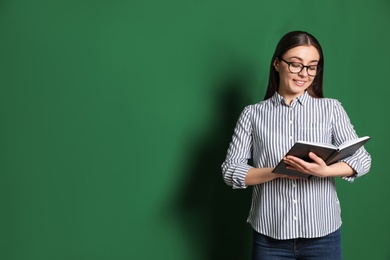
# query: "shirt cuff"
355,164
239,176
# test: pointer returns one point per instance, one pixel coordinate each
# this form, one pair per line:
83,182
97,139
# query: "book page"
331,146
352,142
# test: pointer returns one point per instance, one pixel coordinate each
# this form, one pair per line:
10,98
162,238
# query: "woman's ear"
276,64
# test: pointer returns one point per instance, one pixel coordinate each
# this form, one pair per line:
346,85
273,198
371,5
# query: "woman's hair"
289,41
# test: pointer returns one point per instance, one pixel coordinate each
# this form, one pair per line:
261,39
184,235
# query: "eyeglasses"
297,67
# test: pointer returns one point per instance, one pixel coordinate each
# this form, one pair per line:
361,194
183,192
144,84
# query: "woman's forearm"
260,175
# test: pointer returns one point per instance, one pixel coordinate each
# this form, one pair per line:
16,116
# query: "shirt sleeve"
235,167
343,131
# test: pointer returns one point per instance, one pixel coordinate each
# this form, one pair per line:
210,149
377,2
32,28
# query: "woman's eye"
296,65
313,68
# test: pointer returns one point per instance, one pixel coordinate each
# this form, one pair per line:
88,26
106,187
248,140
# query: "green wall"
116,115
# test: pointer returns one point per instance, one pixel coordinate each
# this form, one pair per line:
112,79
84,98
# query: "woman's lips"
299,82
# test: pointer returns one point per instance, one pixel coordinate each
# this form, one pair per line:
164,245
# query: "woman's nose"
303,73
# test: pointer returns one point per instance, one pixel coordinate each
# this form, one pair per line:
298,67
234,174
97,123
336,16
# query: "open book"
328,152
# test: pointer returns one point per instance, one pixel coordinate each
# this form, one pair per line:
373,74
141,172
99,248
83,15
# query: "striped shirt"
284,208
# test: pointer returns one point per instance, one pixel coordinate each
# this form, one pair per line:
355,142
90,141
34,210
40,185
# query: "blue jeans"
322,248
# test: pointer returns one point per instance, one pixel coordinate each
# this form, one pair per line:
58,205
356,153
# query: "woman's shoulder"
328,101
258,106
253,109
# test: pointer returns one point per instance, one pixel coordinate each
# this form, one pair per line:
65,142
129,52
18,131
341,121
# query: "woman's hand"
318,167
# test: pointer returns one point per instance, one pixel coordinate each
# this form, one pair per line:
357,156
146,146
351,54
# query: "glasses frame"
303,66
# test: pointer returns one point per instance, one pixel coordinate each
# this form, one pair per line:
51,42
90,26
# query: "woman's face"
293,85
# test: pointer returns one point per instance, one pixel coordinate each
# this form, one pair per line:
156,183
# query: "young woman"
293,218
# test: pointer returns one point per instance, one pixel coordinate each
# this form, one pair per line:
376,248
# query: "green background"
116,115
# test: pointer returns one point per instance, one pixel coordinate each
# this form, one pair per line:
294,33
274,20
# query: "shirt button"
295,201
295,217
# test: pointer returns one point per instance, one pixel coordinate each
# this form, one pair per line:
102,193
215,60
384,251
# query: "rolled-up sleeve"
360,162
235,167
344,131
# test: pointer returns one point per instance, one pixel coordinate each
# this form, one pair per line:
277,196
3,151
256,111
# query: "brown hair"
287,42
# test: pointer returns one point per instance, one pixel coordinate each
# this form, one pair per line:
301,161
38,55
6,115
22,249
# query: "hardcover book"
328,152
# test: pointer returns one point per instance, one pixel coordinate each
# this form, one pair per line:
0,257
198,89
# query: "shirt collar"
279,100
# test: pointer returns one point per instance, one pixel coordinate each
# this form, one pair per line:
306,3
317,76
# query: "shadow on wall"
212,213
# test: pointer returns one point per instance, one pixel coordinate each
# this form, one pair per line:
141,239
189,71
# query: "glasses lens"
312,70
296,67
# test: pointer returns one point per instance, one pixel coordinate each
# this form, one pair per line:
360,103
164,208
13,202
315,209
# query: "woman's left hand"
317,168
